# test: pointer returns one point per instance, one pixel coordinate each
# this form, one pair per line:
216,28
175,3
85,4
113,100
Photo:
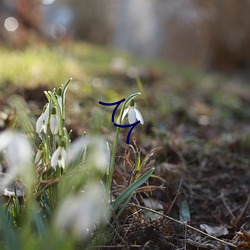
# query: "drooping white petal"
55,156
42,121
19,151
139,116
98,152
54,124
63,159
44,127
79,214
77,148
39,123
61,163
5,139
18,156
101,154
124,113
38,156
46,112
131,115
59,158
59,99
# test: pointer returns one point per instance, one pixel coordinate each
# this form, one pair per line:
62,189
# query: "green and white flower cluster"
73,183
50,127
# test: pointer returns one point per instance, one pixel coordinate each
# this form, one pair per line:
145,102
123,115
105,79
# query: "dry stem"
184,224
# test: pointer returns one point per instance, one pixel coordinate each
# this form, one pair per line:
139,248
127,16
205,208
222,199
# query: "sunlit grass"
41,64
37,65
95,59
90,66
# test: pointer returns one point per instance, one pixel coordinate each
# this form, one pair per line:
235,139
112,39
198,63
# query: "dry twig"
184,224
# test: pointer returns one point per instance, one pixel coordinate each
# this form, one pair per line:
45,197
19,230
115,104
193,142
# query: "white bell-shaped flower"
59,157
42,122
54,121
133,114
17,152
59,96
59,99
80,214
98,152
39,154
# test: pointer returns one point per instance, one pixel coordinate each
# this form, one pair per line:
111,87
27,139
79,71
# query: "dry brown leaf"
245,237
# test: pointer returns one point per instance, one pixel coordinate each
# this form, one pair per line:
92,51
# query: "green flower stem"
66,137
47,137
112,163
54,142
65,87
52,95
46,147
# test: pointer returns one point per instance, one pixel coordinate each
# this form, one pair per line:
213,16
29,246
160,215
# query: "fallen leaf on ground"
245,236
215,231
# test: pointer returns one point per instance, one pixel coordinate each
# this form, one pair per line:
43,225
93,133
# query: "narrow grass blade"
122,209
9,234
128,191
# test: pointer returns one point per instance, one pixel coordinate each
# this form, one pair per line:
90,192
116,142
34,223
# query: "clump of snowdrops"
61,190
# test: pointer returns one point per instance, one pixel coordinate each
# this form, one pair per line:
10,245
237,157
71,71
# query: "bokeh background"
211,34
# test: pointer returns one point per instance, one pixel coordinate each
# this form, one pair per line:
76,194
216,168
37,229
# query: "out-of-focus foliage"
213,34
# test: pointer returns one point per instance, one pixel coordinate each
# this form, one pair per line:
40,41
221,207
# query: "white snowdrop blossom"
39,155
54,121
133,114
17,151
59,99
100,155
79,214
77,149
98,152
59,157
42,121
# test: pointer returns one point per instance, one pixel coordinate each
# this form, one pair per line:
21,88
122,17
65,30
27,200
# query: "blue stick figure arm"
126,126
111,104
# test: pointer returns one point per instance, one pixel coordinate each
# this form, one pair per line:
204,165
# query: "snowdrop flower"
42,122
98,152
79,214
59,157
77,149
17,152
133,113
39,154
54,121
59,97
